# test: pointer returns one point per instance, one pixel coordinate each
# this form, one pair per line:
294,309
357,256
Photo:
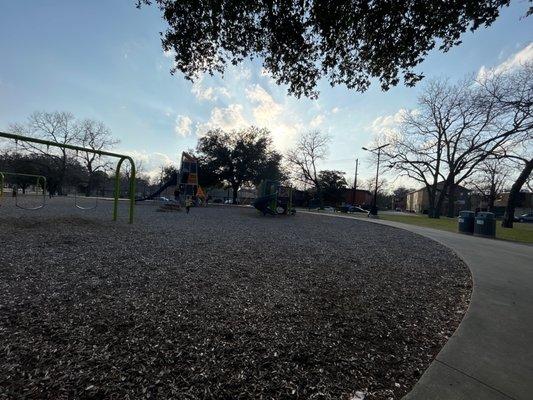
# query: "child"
188,204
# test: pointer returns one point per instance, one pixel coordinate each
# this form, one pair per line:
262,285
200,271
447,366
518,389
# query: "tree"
311,148
94,135
332,184
457,127
349,42
57,127
383,199
512,92
168,172
239,157
490,180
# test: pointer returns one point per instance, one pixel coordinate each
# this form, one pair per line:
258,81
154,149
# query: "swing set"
41,181
49,144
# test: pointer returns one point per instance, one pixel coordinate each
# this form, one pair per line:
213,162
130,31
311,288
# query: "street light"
374,208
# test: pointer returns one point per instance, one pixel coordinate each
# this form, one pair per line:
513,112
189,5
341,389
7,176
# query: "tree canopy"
239,157
301,41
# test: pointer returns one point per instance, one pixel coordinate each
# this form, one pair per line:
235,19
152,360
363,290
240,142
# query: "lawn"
520,232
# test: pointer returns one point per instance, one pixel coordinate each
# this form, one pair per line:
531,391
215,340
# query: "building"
418,200
358,197
523,206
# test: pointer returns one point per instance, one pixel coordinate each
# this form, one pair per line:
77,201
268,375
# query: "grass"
521,232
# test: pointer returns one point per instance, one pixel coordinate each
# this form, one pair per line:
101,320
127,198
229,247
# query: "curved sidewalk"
490,356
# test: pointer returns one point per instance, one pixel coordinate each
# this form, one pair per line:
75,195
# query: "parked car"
230,201
351,209
328,209
163,199
527,217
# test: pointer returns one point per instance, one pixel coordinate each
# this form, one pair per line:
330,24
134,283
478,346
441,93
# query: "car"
527,217
348,208
230,201
328,209
163,199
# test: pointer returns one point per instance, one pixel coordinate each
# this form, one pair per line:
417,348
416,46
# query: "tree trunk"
431,202
515,194
451,201
89,187
235,189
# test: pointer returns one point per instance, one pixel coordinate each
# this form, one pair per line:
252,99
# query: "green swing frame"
121,157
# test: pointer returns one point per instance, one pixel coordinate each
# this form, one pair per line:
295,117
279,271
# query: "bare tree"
58,127
417,150
490,180
311,148
94,135
513,94
457,127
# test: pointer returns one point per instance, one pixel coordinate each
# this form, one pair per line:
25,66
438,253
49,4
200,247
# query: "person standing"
188,204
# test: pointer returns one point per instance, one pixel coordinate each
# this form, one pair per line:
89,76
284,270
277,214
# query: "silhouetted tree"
332,184
303,158
239,157
349,42
94,135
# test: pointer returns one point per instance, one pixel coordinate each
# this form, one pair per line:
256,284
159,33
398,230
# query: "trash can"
466,222
485,225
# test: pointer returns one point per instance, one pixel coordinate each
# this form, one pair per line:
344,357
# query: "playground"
222,302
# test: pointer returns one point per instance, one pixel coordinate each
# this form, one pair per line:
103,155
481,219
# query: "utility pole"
377,150
355,182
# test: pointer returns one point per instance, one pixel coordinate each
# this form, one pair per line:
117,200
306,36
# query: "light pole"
374,208
355,182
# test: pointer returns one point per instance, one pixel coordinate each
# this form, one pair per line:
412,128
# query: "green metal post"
1,184
121,157
131,190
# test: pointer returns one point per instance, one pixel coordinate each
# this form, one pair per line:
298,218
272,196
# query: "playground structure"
274,199
186,180
41,181
121,158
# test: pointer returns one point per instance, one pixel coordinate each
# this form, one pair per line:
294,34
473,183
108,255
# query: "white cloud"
335,110
226,118
516,60
267,110
316,121
210,93
183,125
386,127
150,163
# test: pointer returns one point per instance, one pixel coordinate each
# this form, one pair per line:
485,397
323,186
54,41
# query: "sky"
103,60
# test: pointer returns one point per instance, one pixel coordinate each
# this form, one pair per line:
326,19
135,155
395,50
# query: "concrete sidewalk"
490,356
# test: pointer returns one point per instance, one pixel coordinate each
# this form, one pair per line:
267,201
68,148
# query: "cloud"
316,121
210,93
150,163
266,110
183,125
335,110
226,118
386,128
516,60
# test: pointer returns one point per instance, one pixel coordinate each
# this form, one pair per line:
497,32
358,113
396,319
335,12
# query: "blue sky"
103,60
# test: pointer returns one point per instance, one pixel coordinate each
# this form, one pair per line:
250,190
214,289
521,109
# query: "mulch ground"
219,304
